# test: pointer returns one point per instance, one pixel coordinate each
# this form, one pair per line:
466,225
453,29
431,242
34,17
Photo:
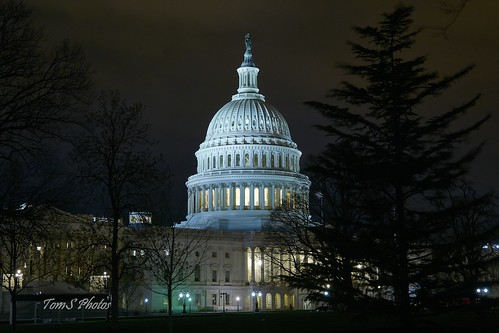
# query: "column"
272,197
252,265
222,196
196,200
210,198
262,201
252,196
241,196
232,197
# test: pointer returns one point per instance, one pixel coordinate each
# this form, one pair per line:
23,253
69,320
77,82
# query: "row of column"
241,196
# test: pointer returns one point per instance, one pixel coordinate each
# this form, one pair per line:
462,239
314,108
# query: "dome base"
233,220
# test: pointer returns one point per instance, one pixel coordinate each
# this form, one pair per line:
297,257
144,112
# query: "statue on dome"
248,57
248,42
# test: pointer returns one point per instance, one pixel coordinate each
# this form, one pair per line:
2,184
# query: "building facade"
247,167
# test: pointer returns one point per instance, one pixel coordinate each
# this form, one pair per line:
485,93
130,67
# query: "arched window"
214,162
238,160
255,160
221,162
264,160
246,160
229,160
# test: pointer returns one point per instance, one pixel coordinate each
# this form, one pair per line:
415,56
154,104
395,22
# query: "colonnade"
243,196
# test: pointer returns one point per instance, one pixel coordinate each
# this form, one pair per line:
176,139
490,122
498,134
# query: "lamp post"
145,303
237,300
183,295
190,304
256,294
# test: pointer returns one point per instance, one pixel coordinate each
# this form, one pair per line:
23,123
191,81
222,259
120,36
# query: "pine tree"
398,161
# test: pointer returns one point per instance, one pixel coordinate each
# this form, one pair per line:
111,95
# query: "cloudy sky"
180,58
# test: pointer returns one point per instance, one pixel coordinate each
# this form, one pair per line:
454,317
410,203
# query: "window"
227,276
213,299
238,197
257,196
214,275
238,160
246,160
247,196
213,254
197,273
227,197
227,255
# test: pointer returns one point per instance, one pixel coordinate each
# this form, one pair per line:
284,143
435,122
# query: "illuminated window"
227,197
256,194
238,196
205,201
246,160
266,196
246,196
277,197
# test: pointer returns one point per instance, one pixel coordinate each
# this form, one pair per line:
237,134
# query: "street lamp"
145,302
237,300
183,295
256,294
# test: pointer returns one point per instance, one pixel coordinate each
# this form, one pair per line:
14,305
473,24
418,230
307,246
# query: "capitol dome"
248,164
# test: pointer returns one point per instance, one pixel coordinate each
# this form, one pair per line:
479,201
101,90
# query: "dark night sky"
180,59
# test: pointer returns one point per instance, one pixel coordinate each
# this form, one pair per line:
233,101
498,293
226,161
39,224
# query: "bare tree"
39,89
175,254
27,229
114,161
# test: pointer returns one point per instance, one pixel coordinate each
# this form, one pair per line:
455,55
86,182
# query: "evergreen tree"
397,162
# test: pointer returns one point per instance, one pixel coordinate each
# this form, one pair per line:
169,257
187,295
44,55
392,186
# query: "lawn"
276,322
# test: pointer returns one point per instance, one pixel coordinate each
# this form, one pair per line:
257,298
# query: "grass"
266,322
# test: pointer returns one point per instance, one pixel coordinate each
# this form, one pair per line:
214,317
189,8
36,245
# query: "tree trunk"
114,272
13,309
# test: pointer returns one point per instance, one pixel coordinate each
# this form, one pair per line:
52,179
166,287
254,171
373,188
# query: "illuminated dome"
250,119
248,164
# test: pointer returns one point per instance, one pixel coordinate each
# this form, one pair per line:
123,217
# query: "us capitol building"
247,166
